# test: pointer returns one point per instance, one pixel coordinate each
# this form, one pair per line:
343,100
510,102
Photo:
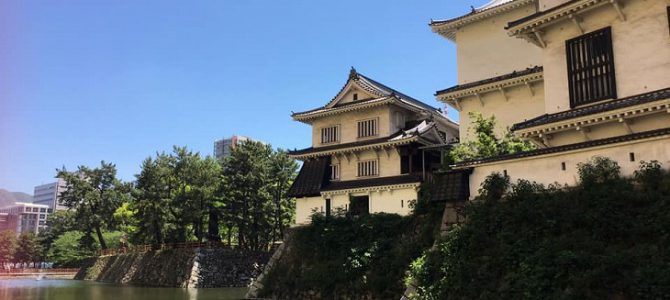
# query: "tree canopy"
485,143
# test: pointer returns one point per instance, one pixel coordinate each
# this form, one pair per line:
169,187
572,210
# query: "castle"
577,78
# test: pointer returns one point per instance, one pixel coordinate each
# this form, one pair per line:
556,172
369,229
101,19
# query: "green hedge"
608,238
352,257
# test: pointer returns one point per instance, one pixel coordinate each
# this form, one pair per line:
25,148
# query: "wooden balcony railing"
147,248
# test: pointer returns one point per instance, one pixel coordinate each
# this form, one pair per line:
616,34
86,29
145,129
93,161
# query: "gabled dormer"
365,110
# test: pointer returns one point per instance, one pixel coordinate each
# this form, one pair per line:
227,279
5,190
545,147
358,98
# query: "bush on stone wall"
345,257
607,238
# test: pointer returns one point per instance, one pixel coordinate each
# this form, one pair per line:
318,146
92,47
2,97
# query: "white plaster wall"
548,4
485,50
304,207
395,201
520,106
641,46
349,126
389,165
547,169
611,129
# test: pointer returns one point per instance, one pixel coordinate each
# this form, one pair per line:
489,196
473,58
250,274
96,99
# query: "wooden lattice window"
591,67
330,134
367,128
335,171
368,168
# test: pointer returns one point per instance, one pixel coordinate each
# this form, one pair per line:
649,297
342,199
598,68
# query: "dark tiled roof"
538,14
514,74
344,104
451,186
473,11
593,109
389,91
340,146
373,87
378,181
313,175
577,146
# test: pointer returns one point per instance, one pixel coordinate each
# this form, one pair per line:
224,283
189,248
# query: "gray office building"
49,194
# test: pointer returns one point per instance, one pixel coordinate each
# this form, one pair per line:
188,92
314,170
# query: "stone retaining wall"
195,268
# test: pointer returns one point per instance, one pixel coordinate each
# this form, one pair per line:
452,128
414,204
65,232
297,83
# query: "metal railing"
147,248
35,270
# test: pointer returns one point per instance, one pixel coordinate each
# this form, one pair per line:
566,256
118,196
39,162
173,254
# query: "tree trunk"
103,245
230,236
213,226
158,237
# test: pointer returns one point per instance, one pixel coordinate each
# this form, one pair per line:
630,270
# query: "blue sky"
84,81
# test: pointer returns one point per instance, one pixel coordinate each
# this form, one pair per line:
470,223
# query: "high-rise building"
223,147
49,194
7,222
26,217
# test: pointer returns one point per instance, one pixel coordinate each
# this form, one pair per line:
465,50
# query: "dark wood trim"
590,64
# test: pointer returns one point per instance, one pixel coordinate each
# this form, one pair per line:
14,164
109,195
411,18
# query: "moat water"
53,289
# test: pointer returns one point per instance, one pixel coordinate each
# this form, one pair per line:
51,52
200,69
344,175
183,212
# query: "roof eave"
535,24
490,86
316,153
448,28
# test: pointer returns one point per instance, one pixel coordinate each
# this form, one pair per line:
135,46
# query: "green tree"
28,249
175,197
283,171
58,223
66,249
126,220
153,196
93,195
245,174
485,143
254,204
7,246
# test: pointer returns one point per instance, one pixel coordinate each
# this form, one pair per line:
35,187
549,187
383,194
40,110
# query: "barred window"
367,128
368,168
335,172
330,134
591,67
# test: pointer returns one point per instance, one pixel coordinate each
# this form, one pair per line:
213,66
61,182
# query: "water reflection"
31,289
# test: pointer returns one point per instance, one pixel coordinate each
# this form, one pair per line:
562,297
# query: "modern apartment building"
49,194
8,222
371,149
578,78
223,147
27,217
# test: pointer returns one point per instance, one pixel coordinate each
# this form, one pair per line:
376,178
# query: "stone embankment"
197,268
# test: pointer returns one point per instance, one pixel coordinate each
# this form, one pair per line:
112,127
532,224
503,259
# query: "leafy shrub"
607,238
344,257
485,143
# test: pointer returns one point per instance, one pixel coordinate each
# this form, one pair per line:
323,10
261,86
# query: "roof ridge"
393,91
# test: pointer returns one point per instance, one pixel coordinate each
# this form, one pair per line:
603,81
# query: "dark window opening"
327,207
563,166
591,67
505,172
404,164
355,96
631,156
359,205
402,203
